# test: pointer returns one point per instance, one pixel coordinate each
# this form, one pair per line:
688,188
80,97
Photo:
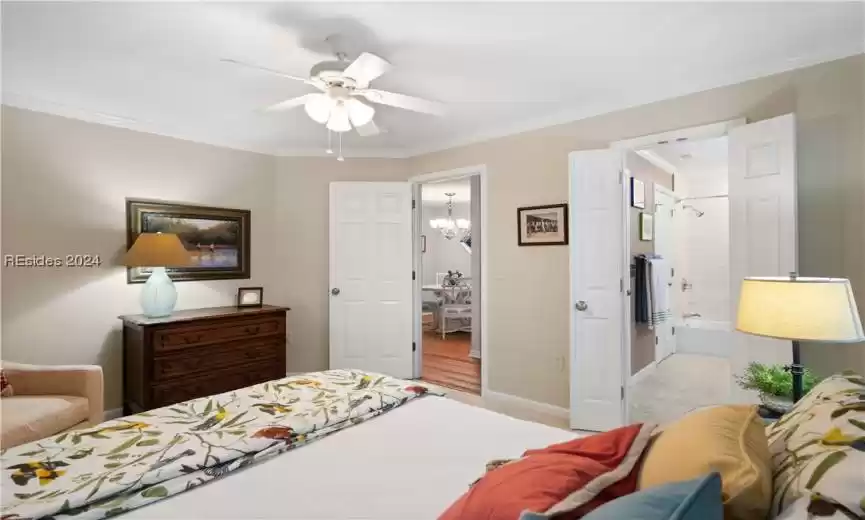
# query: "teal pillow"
698,499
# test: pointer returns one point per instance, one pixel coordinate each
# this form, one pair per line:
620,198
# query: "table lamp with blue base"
158,251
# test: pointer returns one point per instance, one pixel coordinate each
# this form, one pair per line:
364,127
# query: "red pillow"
567,479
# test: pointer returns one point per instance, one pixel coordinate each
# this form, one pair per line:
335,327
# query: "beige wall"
643,337
64,189
528,335
301,249
64,183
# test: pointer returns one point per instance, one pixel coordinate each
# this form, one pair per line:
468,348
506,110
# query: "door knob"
334,291
581,305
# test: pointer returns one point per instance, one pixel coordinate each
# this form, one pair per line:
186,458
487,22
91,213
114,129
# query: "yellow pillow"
728,439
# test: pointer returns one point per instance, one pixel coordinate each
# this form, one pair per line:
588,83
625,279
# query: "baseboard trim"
643,373
526,405
113,413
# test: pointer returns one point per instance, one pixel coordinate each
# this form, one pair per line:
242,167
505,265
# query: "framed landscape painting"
218,239
543,225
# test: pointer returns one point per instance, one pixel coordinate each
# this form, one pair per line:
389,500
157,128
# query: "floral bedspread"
126,463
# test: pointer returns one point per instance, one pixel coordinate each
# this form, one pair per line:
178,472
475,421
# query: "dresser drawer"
177,338
191,361
215,382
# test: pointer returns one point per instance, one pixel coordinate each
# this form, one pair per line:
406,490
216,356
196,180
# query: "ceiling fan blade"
366,68
268,70
291,103
402,101
368,129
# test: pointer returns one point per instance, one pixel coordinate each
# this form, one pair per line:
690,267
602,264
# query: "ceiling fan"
343,83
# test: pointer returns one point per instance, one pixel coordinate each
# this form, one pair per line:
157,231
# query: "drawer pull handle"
253,330
190,339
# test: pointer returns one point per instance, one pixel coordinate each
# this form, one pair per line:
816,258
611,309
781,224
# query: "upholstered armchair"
49,399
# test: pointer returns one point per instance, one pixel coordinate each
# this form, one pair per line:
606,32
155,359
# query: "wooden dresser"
199,352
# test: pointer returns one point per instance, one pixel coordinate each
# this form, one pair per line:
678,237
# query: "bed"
410,462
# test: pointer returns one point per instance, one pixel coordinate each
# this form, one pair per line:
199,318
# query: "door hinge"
622,388
621,285
656,340
413,275
672,272
621,176
674,331
413,346
413,204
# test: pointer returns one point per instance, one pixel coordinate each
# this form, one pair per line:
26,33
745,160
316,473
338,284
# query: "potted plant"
775,384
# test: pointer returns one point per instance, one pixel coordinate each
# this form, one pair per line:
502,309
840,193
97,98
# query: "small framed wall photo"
638,193
647,227
250,296
543,225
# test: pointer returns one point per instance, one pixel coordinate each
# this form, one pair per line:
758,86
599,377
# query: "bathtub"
706,337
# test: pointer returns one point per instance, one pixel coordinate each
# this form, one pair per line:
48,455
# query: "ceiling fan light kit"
341,83
318,107
359,112
338,121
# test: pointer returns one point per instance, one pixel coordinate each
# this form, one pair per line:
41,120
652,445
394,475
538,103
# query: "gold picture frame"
217,238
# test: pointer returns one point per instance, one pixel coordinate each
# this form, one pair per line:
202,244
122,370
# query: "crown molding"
348,153
34,104
563,117
658,161
25,102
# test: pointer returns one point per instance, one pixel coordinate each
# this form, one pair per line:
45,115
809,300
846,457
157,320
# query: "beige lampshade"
805,309
157,250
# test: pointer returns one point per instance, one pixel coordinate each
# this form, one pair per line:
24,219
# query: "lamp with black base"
816,310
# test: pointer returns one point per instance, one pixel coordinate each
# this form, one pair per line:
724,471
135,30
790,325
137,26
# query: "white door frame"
708,131
668,192
468,171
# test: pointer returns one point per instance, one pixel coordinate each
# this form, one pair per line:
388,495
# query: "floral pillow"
818,449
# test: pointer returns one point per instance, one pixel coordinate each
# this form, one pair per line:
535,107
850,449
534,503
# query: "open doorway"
681,331
448,269
625,352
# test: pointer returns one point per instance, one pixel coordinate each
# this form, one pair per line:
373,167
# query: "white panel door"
597,306
371,277
665,342
762,226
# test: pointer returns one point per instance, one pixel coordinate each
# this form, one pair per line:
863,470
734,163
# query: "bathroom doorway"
681,351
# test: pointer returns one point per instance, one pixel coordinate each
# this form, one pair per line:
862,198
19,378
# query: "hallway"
446,362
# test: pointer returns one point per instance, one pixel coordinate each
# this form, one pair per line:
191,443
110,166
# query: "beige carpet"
679,384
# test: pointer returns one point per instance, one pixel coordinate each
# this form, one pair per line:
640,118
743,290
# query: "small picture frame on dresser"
250,296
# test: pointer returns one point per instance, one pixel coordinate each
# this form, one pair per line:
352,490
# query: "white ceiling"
434,192
501,68
701,157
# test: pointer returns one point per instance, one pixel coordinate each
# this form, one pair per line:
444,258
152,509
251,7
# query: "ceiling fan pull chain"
340,158
329,147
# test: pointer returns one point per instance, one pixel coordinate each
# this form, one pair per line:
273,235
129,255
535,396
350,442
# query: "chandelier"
449,227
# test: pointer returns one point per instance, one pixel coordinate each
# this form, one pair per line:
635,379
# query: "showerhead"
695,210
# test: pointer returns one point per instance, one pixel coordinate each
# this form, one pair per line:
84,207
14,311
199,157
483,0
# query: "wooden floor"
446,362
